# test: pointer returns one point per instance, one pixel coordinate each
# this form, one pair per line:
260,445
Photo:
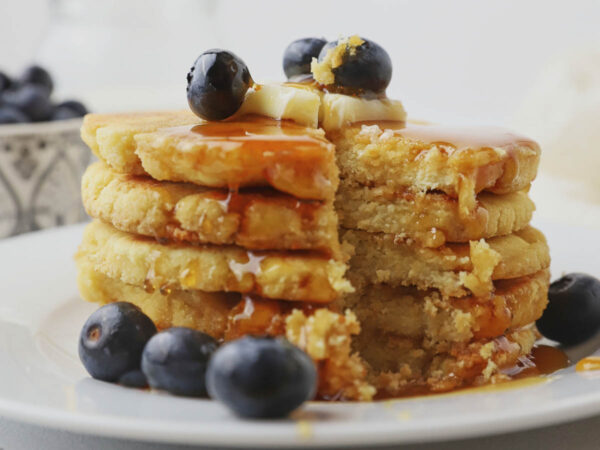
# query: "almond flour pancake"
141,261
252,152
398,367
435,322
454,269
423,158
258,220
432,218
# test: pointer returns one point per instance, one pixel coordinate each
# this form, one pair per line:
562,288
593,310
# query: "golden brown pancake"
424,158
454,269
141,261
258,220
252,152
432,218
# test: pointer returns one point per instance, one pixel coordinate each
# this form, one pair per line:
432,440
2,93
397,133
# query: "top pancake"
178,146
460,162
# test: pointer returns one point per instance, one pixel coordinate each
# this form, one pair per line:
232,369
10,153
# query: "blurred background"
533,66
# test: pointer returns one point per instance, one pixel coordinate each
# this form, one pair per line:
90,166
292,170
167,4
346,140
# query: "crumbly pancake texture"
258,220
425,158
111,136
434,322
144,262
399,368
253,152
454,269
433,218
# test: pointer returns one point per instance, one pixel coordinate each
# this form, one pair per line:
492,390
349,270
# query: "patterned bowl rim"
59,126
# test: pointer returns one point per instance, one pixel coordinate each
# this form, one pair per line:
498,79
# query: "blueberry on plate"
217,84
299,54
367,68
5,82
573,312
32,100
70,109
175,360
10,114
134,379
261,377
39,76
112,340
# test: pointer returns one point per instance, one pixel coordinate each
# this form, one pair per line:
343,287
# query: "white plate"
42,381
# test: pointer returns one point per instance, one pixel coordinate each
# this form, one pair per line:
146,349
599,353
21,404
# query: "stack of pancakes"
449,275
232,228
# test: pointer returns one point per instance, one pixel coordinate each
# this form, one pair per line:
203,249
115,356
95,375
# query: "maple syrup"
588,364
258,151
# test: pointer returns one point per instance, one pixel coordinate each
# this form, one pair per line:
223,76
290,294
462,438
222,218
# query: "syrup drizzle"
588,364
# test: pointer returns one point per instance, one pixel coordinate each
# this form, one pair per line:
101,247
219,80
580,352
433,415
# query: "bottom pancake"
399,368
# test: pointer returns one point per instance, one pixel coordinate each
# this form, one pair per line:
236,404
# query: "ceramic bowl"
41,165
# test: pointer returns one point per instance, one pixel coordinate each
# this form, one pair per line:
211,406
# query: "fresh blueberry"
368,69
5,82
175,360
134,379
217,84
10,114
299,54
39,76
261,377
573,312
32,100
112,340
69,110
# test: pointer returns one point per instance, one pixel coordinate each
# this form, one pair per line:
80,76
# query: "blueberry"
573,312
299,54
38,76
368,69
112,340
134,379
5,82
175,360
69,110
261,377
32,100
217,84
10,114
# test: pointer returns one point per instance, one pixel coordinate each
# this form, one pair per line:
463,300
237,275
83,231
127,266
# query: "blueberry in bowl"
112,340
175,360
261,377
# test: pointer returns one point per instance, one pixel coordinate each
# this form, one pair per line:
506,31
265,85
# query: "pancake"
436,322
111,136
141,261
204,311
454,269
430,218
258,220
423,158
399,368
252,152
